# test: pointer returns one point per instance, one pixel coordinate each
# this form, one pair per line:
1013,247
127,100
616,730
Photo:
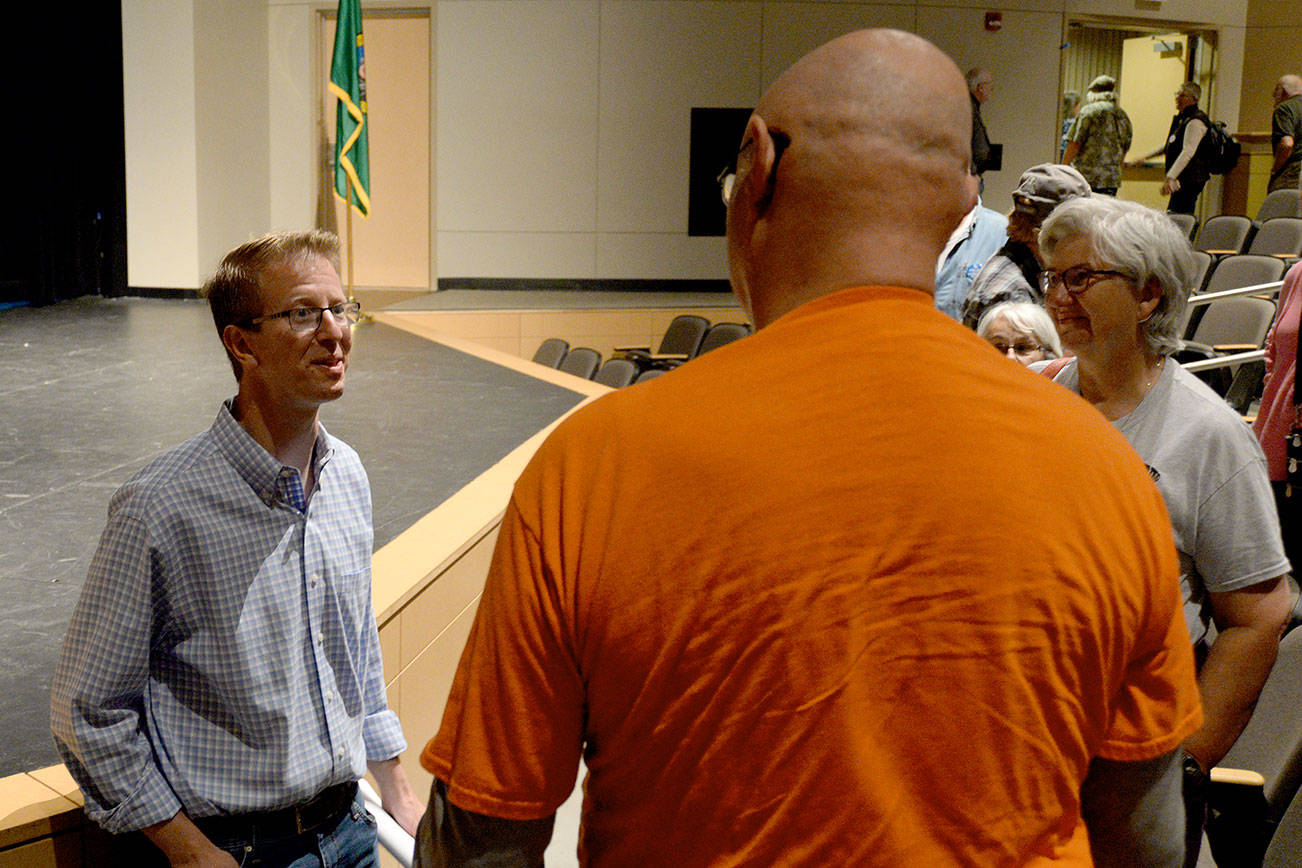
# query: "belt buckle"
298,822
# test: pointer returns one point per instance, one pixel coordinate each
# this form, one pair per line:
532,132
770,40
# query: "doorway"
1149,62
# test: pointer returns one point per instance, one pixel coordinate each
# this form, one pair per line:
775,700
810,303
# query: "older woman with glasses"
1020,330
1115,284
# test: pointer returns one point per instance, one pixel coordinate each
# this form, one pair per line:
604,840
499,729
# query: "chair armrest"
1237,777
1221,252
642,350
1234,348
1190,351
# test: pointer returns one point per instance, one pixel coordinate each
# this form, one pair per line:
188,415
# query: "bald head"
1289,85
853,170
980,83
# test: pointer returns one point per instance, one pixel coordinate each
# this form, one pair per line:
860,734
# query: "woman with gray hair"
1021,330
1115,283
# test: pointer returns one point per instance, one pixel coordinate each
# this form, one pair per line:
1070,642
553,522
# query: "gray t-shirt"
1212,475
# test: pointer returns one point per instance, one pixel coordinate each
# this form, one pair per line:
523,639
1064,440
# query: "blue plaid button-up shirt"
223,656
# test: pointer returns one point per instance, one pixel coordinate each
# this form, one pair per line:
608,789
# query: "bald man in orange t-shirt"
855,590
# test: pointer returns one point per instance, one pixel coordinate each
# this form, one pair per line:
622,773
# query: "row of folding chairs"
1231,325
1231,234
687,337
1227,234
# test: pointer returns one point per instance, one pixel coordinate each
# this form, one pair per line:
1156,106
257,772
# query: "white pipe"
1209,297
1224,361
393,837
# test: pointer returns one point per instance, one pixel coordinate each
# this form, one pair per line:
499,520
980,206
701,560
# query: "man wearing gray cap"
1013,273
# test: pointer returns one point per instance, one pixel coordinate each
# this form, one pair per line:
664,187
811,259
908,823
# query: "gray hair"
977,75
1192,90
1291,84
1142,243
1028,318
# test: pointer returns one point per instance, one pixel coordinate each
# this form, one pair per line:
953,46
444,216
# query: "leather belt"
323,809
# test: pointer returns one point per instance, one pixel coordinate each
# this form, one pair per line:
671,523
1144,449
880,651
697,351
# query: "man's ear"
758,181
237,345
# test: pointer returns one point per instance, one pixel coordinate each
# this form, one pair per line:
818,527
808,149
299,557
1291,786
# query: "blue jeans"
350,844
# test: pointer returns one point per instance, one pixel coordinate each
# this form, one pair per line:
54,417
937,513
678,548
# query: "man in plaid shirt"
220,687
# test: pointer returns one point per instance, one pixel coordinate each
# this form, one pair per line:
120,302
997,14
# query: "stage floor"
94,388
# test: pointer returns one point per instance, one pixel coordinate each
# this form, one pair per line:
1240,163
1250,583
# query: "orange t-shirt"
855,590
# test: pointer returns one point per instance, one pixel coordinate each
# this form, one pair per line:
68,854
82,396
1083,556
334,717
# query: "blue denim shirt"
223,656
962,260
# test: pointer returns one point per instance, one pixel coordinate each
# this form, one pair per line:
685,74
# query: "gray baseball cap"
1043,188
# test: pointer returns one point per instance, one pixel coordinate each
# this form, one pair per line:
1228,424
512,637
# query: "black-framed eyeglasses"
727,177
304,318
1077,279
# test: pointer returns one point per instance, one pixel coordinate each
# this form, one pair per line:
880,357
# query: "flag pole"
348,223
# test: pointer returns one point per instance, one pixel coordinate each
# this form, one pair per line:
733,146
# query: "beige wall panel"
517,125
475,325
58,779
1278,49
424,692
158,81
659,59
294,177
61,850
30,809
587,321
425,618
391,648
1215,12
674,256
232,133
1227,90
516,254
1022,114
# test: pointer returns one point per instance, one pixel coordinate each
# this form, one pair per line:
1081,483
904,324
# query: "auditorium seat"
1188,223
1280,203
1224,234
1270,745
681,341
1280,237
551,352
723,333
616,373
581,362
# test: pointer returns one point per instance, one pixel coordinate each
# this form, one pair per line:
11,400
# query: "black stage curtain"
63,159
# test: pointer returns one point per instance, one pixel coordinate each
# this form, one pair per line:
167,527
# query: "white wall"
561,125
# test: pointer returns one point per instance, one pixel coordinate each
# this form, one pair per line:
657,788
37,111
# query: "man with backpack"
1185,156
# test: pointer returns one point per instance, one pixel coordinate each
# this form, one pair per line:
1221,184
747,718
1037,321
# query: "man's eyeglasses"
727,178
308,319
1076,279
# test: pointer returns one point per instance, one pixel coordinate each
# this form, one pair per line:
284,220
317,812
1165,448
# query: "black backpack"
1222,150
